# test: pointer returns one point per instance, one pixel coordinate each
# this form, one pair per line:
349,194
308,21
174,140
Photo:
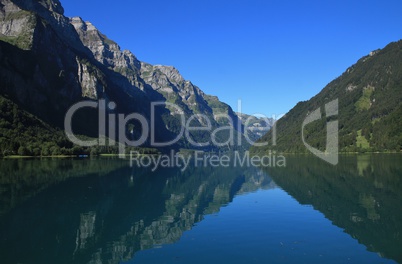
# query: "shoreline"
118,155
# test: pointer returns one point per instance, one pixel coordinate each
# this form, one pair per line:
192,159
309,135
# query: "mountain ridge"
67,60
370,109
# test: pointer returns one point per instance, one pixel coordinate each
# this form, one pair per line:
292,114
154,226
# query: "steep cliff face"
107,52
48,62
158,82
38,69
17,25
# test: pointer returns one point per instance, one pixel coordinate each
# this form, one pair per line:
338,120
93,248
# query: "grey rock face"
158,82
17,25
104,50
92,86
166,81
108,53
50,11
71,60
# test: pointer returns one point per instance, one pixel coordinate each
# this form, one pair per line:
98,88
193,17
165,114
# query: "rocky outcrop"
90,80
156,81
67,60
17,25
105,51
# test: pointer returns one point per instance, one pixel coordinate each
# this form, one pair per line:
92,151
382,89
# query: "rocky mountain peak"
171,72
83,26
52,5
21,18
84,63
78,23
104,50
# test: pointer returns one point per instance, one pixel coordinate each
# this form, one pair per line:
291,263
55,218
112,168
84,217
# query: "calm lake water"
103,211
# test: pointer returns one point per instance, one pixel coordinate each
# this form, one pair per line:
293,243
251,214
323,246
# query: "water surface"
103,211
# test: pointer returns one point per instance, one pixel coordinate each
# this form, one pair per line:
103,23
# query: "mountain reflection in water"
86,211
362,195
103,211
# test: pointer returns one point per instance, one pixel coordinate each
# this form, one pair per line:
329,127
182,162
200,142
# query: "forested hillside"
370,109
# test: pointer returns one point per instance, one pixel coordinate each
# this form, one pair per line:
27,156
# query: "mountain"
369,97
256,127
49,62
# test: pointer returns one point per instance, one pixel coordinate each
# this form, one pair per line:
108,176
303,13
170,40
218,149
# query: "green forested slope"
370,109
24,134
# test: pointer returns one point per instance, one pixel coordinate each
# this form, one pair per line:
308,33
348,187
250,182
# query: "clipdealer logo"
110,122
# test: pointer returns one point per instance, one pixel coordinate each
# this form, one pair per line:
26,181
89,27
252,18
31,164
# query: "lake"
104,211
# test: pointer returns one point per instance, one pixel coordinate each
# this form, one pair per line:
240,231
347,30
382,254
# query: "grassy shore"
36,157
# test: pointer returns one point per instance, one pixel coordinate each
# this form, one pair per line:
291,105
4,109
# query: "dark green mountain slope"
370,109
24,134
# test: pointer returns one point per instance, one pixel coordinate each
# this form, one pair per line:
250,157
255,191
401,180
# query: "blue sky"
270,54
